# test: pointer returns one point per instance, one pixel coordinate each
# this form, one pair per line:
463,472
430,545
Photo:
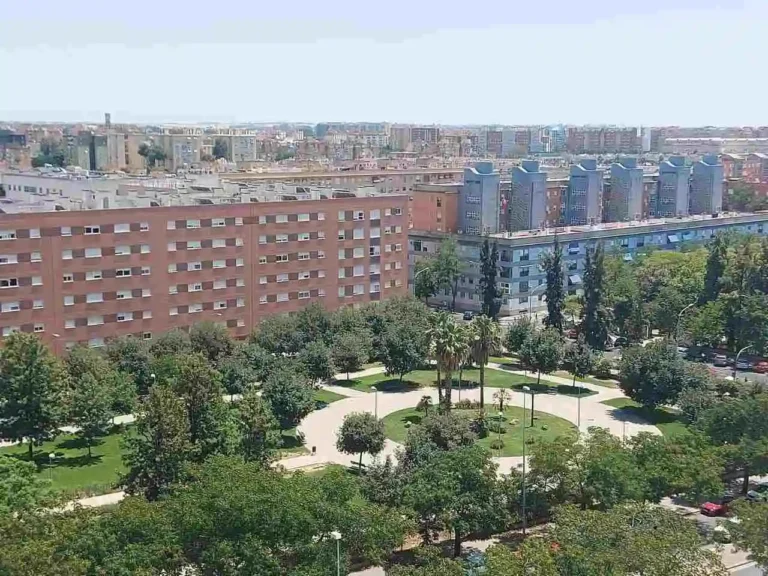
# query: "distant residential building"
584,202
756,167
433,207
733,165
706,186
557,139
425,134
610,140
624,201
399,138
673,189
493,142
479,200
528,201
715,145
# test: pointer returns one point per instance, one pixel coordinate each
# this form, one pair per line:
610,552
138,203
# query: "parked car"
760,367
760,493
572,333
468,315
718,507
720,360
721,533
743,365
621,342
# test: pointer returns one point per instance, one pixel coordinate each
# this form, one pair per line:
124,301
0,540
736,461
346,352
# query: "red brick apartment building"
91,275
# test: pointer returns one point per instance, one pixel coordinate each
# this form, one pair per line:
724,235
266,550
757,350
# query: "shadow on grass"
78,444
555,389
645,415
395,385
290,441
43,461
465,384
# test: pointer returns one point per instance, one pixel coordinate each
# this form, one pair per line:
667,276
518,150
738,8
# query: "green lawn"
72,472
589,379
545,426
421,378
292,446
324,397
666,420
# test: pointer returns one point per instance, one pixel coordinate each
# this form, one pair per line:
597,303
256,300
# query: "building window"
93,275
66,254
122,228
262,219
124,316
374,251
124,295
171,268
375,232
96,342
218,222
262,259
321,273
304,275
239,262
263,299
69,324
358,270
174,311
94,297
321,215
303,294
122,272
194,245
358,289
359,234
9,283
196,287
281,258
126,250
65,231
342,235
303,217
281,218
282,297
281,238
375,214
34,257
144,226
195,308
192,224
342,273
240,282
262,239
219,263
282,277
38,304
34,232
321,254
262,280
220,305
93,252
219,243
304,236
375,288
146,314
239,242
240,302
171,225
238,221
240,322
195,266
69,300
358,215
92,230
219,284
95,320
10,307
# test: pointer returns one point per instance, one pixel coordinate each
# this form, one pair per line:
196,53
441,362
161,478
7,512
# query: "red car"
716,508
572,333
760,367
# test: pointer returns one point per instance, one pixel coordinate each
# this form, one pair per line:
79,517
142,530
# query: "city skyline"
408,64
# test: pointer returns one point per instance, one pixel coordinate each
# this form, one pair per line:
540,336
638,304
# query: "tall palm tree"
437,324
486,340
450,348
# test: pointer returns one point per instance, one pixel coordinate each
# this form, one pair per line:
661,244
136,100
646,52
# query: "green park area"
669,422
545,427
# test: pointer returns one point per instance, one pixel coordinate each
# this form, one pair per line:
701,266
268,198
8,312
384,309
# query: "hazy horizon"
679,62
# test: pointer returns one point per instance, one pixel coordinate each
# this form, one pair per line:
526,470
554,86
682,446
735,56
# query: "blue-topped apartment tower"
584,202
479,200
625,199
527,208
672,189
706,186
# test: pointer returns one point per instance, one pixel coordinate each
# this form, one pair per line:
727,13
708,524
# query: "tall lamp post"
337,536
578,413
525,519
736,361
679,317
538,288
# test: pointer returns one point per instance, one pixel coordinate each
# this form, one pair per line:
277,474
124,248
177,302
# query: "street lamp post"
530,297
525,520
679,316
578,413
337,536
736,361
375,402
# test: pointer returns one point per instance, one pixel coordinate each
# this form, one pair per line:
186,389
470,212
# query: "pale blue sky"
687,62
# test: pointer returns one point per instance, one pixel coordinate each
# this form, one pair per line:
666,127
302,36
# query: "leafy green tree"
81,360
425,403
152,154
429,562
519,331
449,346
707,326
289,395
595,318
437,432
552,263
425,282
237,374
171,343
580,358
652,375
259,429
211,340
122,391
740,426
32,385
447,267
220,149
348,352
317,361
456,490
485,339
403,348
131,355
487,288
717,260
751,533
261,362
278,334
22,489
211,428
653,541
90,408
533,556
503,397
572,307
361,432
315,324
543,351
156,455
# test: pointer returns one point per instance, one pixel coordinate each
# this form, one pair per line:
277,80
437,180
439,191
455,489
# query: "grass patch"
423,378
668,421
72,472
546,426
325,397
588,379
545,387
292,445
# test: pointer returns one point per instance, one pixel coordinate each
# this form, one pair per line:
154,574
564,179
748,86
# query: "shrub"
602,368
465,404
497,444
480,426
497,427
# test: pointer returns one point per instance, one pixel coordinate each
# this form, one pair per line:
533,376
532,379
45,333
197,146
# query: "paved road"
749,570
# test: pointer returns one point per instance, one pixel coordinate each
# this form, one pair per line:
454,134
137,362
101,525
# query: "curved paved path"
319,427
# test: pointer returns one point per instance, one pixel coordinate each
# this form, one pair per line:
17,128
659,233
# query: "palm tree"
424,404
485,340
449,347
